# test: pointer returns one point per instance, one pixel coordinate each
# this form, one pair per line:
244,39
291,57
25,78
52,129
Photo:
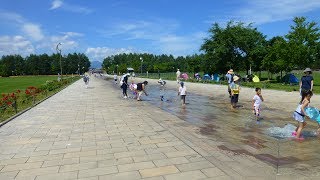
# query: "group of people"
299,115
137,89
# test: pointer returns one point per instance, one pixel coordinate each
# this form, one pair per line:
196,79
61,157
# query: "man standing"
229,76
178,73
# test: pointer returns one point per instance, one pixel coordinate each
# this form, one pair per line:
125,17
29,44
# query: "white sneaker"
125,97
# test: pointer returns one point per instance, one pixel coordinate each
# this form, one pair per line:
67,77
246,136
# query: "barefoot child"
256,103
300,113
182,92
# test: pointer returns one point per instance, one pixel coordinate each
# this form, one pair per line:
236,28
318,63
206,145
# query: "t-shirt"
230,78
182,90
235,88
306,82
178,73
257,100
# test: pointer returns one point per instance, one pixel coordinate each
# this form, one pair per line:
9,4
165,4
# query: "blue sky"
101,28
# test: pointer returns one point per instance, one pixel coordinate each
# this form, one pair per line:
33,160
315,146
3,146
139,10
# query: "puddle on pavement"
270,140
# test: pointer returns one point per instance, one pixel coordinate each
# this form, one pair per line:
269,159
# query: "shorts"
183,97
298,117
115,79
257,111
235,98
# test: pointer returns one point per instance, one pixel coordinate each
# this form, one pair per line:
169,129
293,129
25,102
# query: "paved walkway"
92,134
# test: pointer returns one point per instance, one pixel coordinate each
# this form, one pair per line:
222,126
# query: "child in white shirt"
182,92
256,103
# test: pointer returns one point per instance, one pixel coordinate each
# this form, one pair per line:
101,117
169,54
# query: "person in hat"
235,90
229,76
306,82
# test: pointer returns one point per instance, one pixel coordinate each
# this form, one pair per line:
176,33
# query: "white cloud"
99,53
261,11
161,33
30,29
59,4
15,45
34,31
56,4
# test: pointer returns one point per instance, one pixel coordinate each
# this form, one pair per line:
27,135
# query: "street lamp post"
141,64
59,51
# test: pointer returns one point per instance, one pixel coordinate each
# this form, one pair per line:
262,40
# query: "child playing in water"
300,113
256,103
182,92
235,90
132,87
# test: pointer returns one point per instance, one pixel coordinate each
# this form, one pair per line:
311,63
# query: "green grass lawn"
10,84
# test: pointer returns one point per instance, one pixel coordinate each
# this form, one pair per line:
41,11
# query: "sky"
101,28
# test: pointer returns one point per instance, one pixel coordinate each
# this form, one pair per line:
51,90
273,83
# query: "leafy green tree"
303,40
236,46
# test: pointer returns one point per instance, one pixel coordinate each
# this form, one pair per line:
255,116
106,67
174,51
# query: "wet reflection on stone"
208,129
211,116
263,157
254,142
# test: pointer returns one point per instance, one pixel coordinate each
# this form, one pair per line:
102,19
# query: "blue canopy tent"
216,77
206,77
290,79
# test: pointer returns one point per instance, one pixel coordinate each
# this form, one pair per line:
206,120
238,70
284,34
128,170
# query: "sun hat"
230,71
235,78
307,70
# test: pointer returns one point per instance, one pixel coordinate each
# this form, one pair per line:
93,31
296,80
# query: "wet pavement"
95,134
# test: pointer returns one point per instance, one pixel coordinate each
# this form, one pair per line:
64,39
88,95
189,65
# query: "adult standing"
306,82
178,73
229,76
124,86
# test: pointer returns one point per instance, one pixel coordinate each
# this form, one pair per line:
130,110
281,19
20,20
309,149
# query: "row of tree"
238,46
43,64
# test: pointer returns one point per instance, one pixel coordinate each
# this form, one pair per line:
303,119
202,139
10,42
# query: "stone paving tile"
80,166
179,153
100,157
170,161
13,167
14,161
186,175
60,176
159,171
28,154
113,162
149,157
45,158
129,154
60,162
97,171
135,166
65,150
132,175
89,178
195,166
155,178
8,175
80,154
213,172
38,171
